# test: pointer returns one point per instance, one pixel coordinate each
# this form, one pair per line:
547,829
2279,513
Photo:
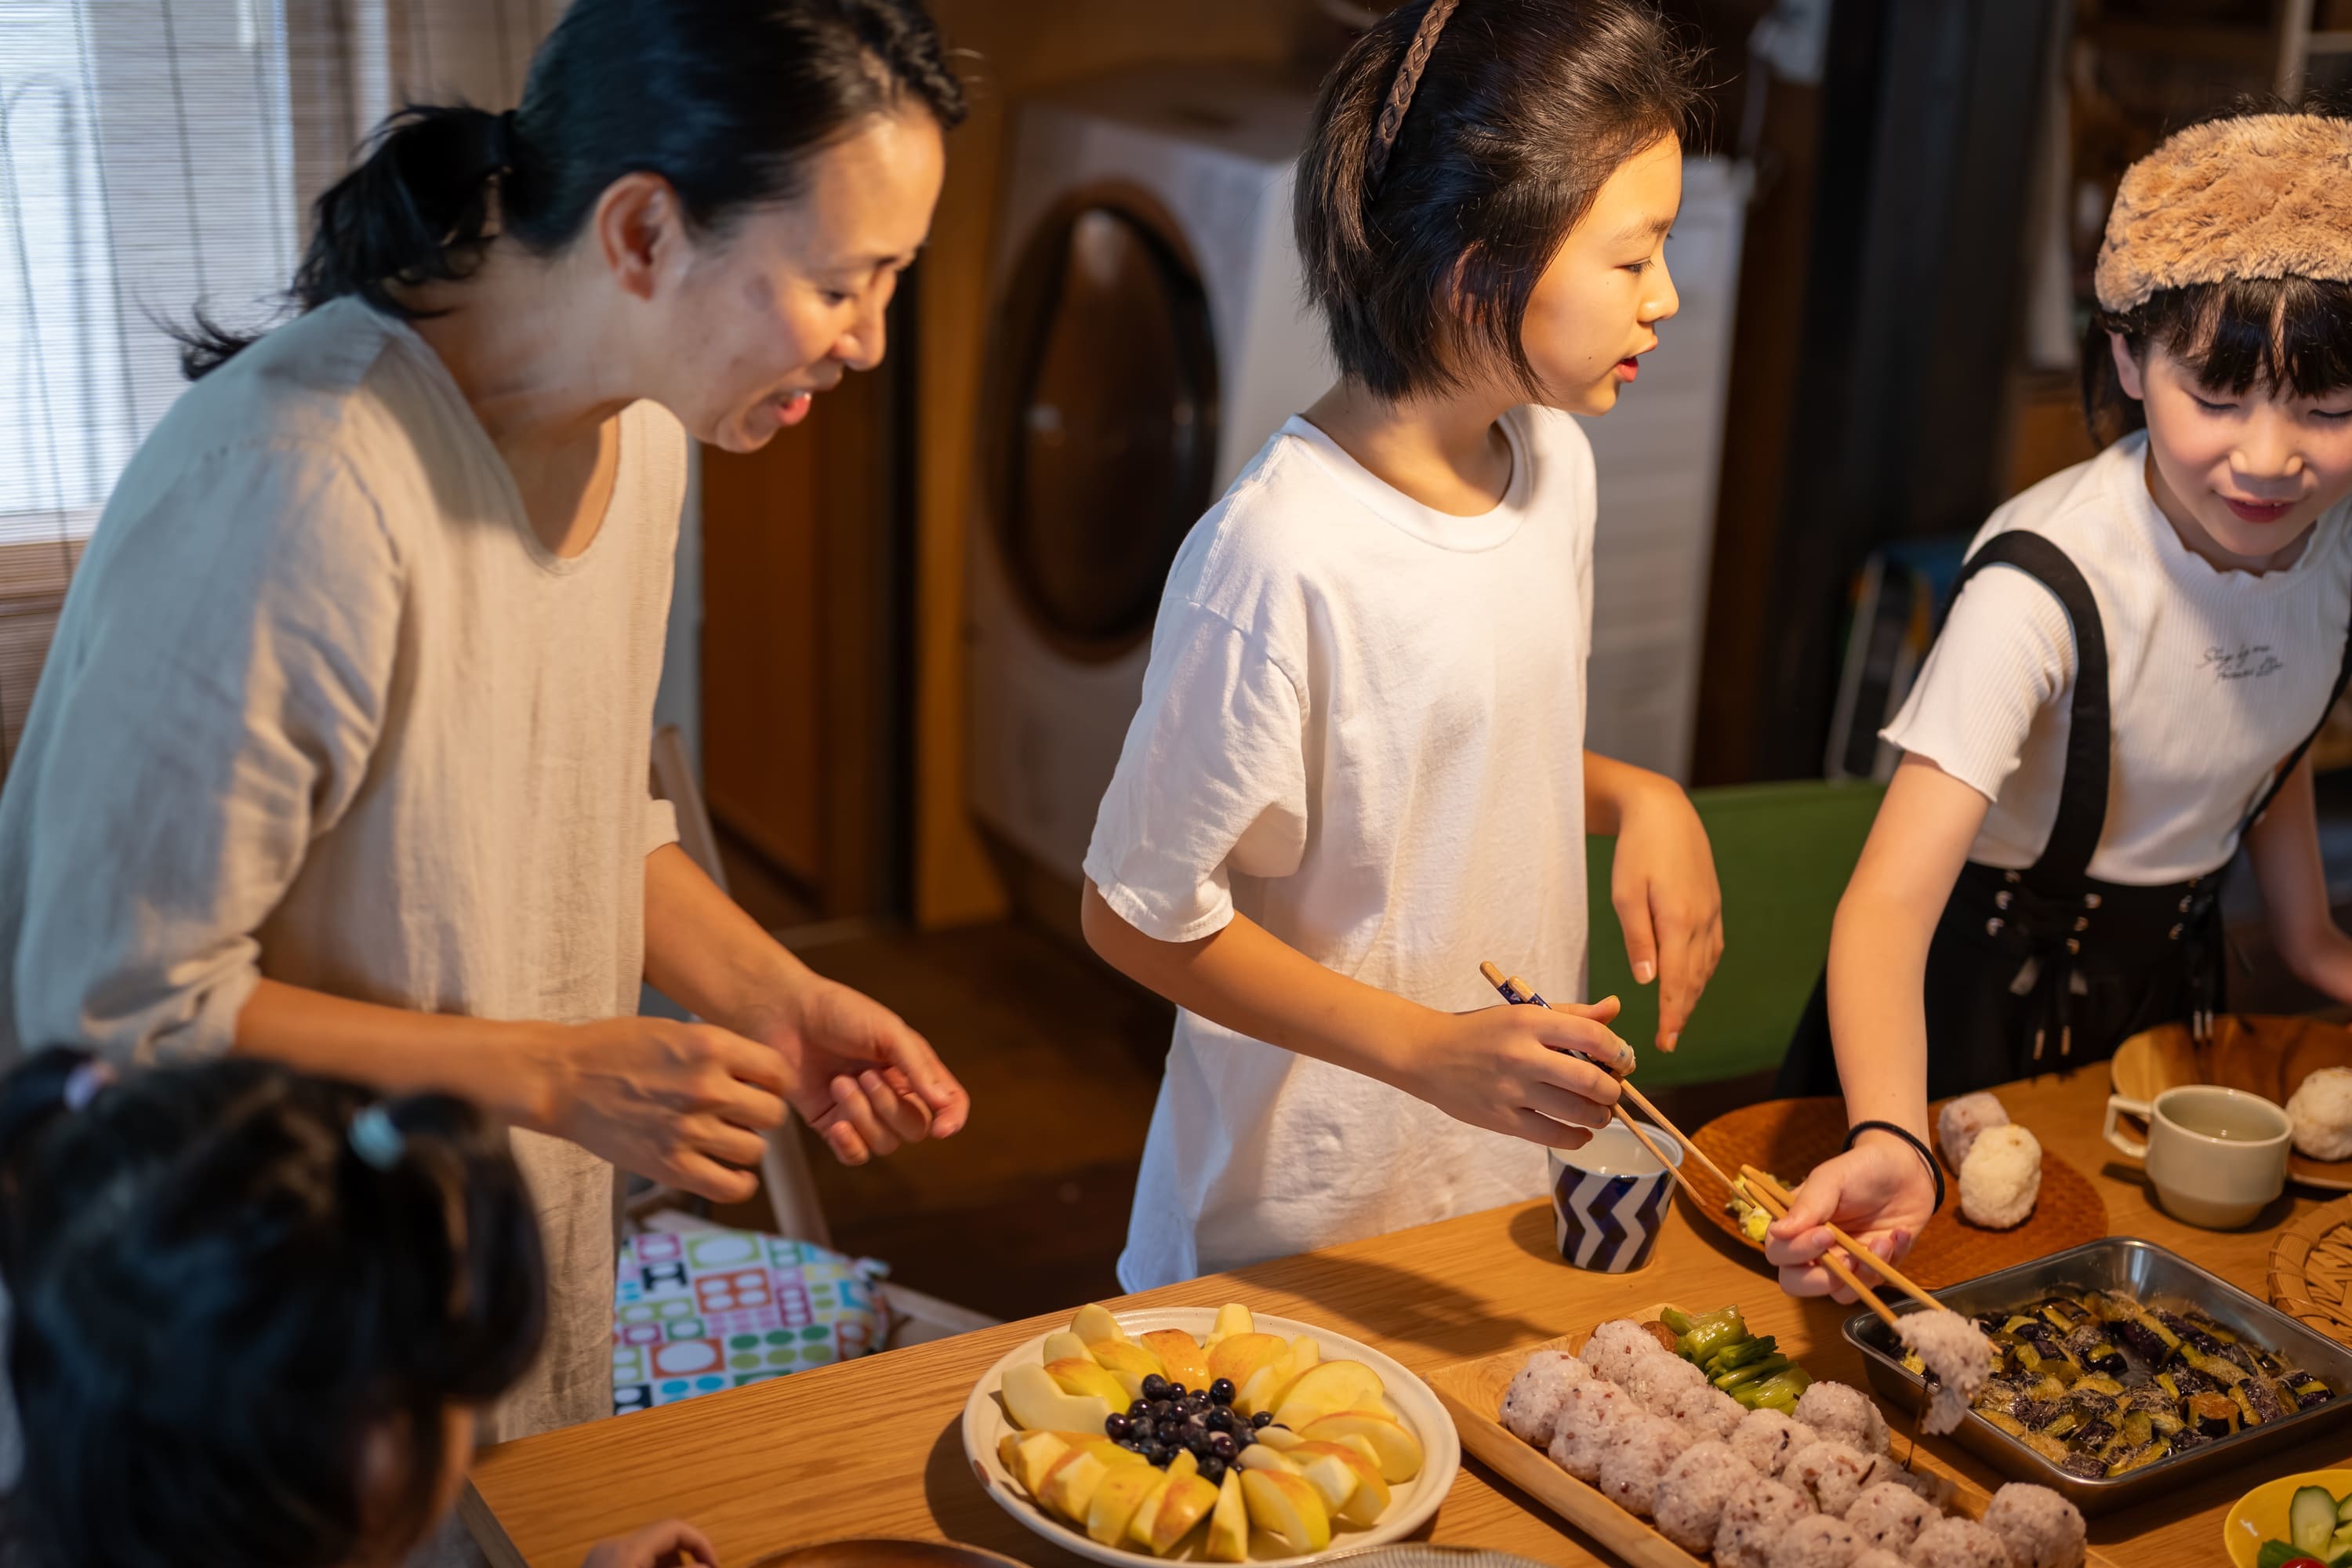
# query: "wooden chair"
785,1170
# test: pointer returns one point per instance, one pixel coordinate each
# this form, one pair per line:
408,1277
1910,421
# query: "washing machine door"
1105,431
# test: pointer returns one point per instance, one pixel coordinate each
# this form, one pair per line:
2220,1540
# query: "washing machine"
1148,334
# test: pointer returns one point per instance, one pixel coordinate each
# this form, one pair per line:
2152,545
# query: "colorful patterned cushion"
696,1311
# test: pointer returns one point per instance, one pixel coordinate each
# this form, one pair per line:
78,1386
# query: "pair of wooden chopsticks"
1766,1191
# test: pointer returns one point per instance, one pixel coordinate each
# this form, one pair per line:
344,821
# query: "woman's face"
791,298
2251,471
1595,311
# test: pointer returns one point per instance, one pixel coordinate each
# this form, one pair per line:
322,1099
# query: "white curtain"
156,155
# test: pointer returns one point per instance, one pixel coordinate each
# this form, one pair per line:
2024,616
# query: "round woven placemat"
2311,1270
1790,1137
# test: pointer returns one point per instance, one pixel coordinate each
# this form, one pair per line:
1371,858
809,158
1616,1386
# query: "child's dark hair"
1421,254
727,100
222,1295
2289,335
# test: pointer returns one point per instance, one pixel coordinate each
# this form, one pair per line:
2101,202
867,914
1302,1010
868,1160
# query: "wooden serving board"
1471,1392
1790,1137
2260,1053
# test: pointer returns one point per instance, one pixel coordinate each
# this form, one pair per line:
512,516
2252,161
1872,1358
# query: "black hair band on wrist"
1926,1154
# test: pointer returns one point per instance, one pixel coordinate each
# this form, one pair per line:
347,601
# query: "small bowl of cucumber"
2296,1521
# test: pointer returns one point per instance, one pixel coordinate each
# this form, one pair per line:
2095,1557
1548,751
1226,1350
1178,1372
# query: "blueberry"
1218,1420
1155,1387
1130,1445
1116,1427
1163,1409
1140,1407
1243,1437
1198,1420
1158,1454
1221,1445
1213,1469
1199,1440
1262,1420
1142,1428
1176,1390
1222,1391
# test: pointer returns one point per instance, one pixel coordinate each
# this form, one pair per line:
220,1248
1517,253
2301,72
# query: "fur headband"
2260,196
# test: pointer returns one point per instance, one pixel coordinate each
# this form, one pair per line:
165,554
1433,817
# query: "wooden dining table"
873,1447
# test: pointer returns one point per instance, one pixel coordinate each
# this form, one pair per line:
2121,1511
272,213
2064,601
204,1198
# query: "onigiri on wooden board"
1472,1392
1790,1137
2260,1053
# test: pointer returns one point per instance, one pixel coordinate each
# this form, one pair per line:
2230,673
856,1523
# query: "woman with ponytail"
341,753
255,1313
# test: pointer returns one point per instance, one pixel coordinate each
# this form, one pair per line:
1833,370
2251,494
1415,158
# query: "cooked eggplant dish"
2100,1385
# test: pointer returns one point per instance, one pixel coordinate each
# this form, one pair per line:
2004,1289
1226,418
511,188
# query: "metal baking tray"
2155,1276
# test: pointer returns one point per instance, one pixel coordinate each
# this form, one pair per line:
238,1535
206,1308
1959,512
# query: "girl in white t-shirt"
1358,769
2143,649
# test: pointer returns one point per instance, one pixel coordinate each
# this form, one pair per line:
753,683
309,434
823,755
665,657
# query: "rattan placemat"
2311,1270
1790,1137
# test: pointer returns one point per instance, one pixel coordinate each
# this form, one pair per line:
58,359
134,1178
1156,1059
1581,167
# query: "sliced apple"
1182,1359
1033,1454
1241,1357
1258,1457
1304,1354
1129,1359
1101,1448
1064,1345
1279,1438
1070,1485
1112,1508
1037,1403
1229,1522
1399,1450
1332,1387
1363,1445
1282,1504
1084,1377
1095,1324
1265,1387
1139,1528
1349,1477
1233,1318
1185,1503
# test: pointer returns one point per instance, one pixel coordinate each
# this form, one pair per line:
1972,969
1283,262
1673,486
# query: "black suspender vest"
2047,967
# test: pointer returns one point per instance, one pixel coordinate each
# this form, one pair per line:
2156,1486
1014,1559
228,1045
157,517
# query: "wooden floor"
1026,1210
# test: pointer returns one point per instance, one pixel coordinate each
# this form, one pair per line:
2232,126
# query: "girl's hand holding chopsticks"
1877,1191
1520,1070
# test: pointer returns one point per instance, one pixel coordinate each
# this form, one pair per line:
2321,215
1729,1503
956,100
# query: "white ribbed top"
2213,676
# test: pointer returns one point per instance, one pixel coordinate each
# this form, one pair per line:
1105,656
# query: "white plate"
1410,1504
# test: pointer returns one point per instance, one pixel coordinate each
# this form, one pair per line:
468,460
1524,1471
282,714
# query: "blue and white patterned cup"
1608,1198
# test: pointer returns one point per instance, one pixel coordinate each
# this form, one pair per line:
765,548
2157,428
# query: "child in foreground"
2143,649
1358,769
255,1315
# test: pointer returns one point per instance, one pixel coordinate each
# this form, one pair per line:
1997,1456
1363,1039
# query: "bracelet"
1925,1154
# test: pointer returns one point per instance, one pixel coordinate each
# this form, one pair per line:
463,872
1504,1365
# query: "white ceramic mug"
2215,1156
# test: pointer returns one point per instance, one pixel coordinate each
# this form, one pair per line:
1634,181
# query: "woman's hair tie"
83,1083
2255,196
376,1139
1400,99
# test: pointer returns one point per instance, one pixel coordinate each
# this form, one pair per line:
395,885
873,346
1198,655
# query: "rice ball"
1754,1518
1958,1356
1961,1120
1654,1379
1818,1541
1630,1470
1891,1515
2040,1529
1587,1426
1764,1439
1841,1411
1831,1473
1955,1542
2002,1177
1531,1404
1935,1491
1688,1502
1704,1412
2321,1111
1615,1345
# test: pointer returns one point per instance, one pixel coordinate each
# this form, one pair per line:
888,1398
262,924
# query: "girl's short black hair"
1524,110
727,100
218,1303
2288,335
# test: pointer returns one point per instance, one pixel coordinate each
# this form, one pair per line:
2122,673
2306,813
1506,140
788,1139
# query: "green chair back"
1783,853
